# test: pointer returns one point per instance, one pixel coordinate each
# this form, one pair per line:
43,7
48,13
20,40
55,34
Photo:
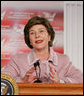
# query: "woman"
42,64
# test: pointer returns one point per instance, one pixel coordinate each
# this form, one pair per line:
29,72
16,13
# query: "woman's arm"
11,69
72,74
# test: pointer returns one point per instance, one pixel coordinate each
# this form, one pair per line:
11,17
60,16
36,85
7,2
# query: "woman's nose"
37,35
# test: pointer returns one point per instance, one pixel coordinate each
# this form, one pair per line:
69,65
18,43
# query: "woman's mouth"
38,41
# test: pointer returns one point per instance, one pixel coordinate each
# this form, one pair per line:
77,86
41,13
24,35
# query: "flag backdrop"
13,21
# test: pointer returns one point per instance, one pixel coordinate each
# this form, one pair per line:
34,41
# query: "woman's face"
39,37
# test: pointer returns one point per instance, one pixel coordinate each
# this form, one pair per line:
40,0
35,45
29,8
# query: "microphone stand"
38,80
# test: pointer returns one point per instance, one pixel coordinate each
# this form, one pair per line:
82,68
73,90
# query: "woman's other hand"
53,75
29,77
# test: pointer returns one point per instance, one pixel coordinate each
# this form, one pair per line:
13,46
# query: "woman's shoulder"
62,56
20,55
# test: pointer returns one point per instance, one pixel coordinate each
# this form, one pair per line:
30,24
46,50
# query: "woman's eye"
42,31
31,33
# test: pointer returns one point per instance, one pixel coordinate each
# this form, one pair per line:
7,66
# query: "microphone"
38,79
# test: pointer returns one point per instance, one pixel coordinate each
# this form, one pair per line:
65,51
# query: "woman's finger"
52,70
34,77
30,71
51,75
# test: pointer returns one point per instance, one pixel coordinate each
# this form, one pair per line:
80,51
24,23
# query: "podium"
50,89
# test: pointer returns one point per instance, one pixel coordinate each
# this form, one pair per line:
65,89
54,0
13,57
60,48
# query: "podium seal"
8,85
